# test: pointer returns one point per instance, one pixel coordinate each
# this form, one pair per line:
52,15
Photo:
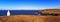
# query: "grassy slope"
29,18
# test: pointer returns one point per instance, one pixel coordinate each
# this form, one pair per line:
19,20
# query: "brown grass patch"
29,18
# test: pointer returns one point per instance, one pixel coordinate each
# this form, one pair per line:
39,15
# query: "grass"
29,18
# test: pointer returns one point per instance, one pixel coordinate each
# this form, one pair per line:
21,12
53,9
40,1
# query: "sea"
19,12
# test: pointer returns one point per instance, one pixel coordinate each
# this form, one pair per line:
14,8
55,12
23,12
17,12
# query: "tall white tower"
8,13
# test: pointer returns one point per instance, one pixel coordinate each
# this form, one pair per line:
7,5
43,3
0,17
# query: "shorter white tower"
8,13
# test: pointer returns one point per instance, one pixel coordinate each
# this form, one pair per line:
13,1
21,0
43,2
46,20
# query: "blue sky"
28,4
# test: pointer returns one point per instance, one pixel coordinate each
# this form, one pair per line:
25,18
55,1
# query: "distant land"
53,12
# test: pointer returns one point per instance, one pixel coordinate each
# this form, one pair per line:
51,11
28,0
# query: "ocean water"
3,12
19,12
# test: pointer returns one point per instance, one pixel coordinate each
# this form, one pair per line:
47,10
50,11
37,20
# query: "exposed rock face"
53,12
29,18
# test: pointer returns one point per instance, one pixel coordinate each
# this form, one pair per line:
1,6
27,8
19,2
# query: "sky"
28,4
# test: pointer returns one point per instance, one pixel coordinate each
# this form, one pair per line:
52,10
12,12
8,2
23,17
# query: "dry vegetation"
29,18
54,12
